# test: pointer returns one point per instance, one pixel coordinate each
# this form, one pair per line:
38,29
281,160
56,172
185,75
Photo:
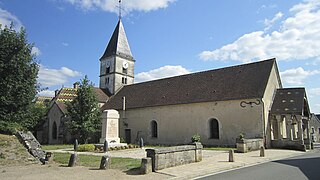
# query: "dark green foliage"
196,138
84,112
86,148
18,80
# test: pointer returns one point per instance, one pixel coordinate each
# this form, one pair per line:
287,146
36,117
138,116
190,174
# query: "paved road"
301,167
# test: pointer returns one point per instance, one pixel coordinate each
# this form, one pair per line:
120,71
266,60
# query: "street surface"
306,166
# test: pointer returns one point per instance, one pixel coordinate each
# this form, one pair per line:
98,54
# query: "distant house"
315,127
44,100
53,130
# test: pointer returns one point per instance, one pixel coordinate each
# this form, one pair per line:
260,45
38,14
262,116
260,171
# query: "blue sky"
172,37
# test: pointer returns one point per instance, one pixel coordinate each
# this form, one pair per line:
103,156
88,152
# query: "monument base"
111,145
109,140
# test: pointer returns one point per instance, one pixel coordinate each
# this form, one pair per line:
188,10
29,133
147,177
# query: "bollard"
72,160
141,143
231,156
105,146
262,151
49,157
105,162
146,166
75,145
312,145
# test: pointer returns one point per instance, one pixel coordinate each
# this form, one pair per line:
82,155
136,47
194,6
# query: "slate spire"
118,44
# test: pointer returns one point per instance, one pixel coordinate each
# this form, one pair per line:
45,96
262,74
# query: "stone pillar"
152,154
308,142
288,128
198,152
300,130
293,131
279,126
110,126
146,166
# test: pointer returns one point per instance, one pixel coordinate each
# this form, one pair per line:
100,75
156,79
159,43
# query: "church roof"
118,44
231,83
290,101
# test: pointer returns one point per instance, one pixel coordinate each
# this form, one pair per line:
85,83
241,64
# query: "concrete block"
146,166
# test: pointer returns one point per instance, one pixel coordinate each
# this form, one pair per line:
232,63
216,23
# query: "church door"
128,135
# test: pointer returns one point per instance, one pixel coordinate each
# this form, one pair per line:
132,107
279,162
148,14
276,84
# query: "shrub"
241,136
195,138
86,147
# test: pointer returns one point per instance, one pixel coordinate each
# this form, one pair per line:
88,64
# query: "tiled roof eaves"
195,102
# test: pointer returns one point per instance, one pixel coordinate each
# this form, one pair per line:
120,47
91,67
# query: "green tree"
18,79
84,112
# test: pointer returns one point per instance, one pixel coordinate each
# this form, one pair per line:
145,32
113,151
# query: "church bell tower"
117,63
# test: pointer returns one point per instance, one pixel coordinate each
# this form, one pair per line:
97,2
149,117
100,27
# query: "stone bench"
173,156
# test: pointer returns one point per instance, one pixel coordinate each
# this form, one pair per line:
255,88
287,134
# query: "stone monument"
110,128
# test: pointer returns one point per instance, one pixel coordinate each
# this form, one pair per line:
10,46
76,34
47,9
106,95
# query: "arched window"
54,130
154,129
214,129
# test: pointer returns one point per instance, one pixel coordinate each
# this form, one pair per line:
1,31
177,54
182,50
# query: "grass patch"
94,161
58,146
218,148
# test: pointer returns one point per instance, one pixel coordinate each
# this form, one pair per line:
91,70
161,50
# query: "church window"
108,70
124,70
154,129
124,80
214,129
54,130
107,80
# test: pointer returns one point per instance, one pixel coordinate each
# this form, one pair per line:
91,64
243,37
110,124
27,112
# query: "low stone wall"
246,145
288,144
173,156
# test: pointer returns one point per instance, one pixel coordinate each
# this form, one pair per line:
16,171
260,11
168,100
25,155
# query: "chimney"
76,85
56,92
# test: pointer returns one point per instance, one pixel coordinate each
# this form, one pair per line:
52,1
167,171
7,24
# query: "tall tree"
18,78
84,112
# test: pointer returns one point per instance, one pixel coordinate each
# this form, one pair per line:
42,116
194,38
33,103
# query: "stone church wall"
273,84
177,123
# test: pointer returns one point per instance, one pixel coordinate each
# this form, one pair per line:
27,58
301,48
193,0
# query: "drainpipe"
124,106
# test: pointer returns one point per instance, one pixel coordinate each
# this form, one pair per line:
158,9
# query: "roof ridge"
205,71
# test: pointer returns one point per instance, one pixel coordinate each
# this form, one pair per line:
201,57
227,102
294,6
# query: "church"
218,104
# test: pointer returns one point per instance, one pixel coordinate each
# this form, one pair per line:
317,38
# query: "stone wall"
174,156
246,145
288,144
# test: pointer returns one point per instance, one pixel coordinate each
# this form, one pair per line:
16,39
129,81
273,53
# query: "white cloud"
298,38
46,93
314,91
268,23
6,18
65,44
296,76
162,72
127,5
35,51
51,77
